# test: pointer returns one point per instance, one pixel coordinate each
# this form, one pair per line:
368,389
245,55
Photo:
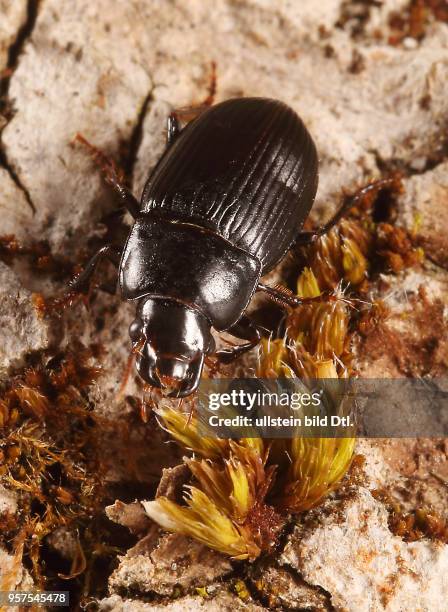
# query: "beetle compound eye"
135,330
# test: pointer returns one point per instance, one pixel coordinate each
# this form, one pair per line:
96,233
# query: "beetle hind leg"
246,330
113,175
306,238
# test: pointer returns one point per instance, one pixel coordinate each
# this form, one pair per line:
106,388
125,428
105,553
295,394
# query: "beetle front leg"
306,238
113,176
246,330
109,251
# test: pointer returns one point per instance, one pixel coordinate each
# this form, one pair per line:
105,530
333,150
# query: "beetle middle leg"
113,176
246,330
109,251
305,238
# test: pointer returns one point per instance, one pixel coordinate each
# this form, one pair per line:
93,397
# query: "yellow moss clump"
340,255
317,343
178,425
231,482
203,520
317,465
234,502
241,489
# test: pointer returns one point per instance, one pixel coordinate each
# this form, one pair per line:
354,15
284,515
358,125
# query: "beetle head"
171,341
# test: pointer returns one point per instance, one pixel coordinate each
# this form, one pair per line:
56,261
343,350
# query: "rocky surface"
221,601
112,71
425,211
17,215
354,557
174,564
13,576
21,329
8,501
14,16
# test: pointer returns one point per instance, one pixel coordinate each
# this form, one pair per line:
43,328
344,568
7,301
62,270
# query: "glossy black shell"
246,169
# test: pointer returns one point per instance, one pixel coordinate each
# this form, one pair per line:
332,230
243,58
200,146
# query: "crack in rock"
24,33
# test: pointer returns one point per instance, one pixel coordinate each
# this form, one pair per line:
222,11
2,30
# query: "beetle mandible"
221,208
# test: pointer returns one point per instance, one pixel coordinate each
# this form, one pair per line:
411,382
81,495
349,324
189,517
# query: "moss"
241,590
242,491
38,255
413,525
413,20
49,454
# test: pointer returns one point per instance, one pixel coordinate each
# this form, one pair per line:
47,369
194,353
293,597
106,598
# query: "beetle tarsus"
113,175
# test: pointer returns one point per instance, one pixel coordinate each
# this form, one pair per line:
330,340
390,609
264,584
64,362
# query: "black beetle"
222,207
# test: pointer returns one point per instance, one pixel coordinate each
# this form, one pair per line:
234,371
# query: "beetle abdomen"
246,168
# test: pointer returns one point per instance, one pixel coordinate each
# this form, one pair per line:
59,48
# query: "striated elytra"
222,207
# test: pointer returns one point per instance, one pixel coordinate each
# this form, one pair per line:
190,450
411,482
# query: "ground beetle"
222,207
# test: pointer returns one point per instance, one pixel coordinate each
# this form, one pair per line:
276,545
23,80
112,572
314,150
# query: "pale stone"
176,561
85,84
21,328
13,576
8,501
16,215
222,602
13,16
353,555
424,211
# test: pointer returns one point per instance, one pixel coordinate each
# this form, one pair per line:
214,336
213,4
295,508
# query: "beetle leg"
246,330
108,251
305,238
113,175
188,113
209,100
285,297
173,128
